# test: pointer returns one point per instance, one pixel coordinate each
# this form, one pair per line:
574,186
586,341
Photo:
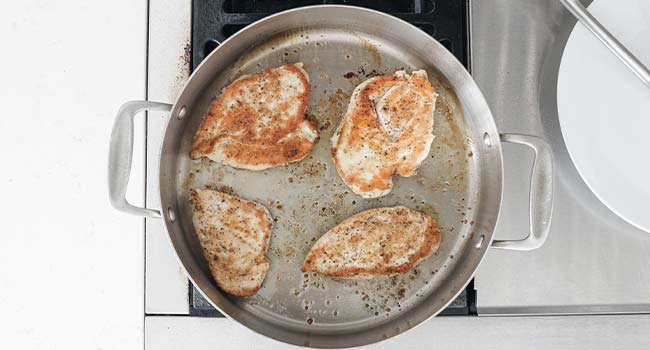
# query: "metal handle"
541,194
121,153
615,46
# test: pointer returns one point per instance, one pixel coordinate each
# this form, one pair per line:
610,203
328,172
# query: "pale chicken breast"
381,241
234,234
258,122
387,129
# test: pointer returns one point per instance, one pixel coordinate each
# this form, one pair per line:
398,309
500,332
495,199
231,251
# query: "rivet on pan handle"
121,153
540,197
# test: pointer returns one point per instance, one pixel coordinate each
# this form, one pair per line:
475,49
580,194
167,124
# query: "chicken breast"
382,241
234,234
387,129
258,122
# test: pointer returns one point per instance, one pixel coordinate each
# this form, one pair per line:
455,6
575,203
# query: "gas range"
515,51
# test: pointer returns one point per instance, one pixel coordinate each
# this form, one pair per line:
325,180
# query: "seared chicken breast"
258,122
387,129
234,234
382,241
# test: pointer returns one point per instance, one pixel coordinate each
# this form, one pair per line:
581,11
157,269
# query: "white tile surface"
499,333
169,56
71,267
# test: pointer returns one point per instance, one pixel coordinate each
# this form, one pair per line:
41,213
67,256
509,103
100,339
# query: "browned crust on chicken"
258,121
234,234
367,150
381,241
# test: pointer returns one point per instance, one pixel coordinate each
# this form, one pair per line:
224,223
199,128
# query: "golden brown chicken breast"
387,129
258,122
234,234
382,241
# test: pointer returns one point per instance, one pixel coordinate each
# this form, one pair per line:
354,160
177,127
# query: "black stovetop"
446,20
215,20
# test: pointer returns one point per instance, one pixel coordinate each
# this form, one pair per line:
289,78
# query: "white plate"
604,110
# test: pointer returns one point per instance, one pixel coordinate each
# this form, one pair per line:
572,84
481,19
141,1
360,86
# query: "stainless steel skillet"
460,183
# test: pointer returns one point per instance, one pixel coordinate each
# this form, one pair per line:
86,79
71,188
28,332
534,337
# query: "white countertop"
71,267
445,332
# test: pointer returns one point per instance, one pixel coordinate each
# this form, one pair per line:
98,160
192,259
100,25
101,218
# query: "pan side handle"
121,153
540,194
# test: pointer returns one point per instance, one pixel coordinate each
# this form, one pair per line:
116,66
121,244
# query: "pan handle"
121,153
540,197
